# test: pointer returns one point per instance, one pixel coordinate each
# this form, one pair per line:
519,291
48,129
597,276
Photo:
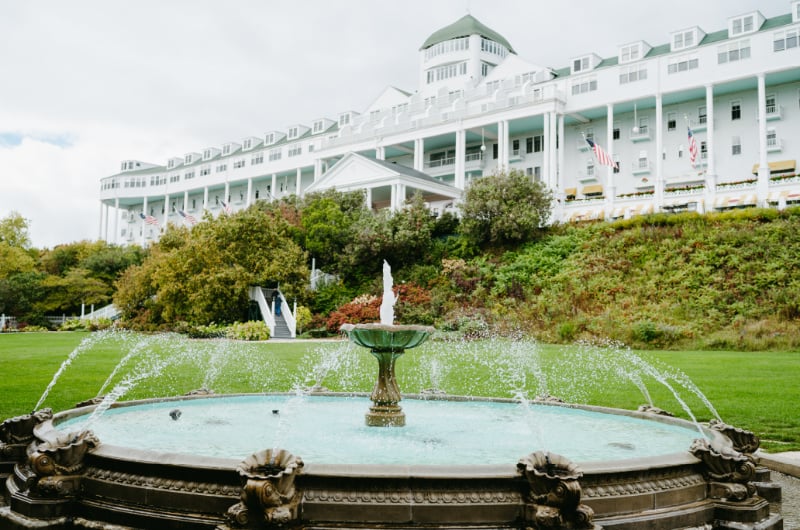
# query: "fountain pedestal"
386,343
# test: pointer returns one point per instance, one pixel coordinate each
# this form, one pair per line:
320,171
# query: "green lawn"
755,391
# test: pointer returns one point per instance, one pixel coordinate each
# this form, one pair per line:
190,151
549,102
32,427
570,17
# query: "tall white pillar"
711,168
611,191
560,154
274,187
144,226
249,199
298,187
461,154
105,229
100,222
380,152
658,194
419,154
186,201
116,221
166,211
554,168
368,199
317,169
502,147
228,194
546,148
762,187
205,198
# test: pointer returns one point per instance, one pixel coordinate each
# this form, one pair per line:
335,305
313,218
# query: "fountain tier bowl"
126,482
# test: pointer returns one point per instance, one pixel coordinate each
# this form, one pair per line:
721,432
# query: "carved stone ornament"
742,440
17,433
650,409
554,497
268,498
730,473
58,465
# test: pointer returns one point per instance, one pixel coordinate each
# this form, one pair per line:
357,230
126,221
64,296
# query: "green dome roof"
463,27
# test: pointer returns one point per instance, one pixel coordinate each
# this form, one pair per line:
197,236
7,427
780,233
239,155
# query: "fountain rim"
46,431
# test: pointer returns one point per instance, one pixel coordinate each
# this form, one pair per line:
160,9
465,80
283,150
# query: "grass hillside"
716,281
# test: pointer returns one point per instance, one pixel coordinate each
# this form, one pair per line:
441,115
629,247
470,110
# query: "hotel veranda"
480,108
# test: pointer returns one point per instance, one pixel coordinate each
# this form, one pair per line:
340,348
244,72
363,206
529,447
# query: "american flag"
226,207
602,156
189,218
149,219
692,147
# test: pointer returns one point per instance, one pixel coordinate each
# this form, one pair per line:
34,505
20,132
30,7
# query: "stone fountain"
386,342
56,473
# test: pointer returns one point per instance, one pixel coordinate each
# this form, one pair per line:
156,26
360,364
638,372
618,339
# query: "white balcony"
642,167
640,134
774,112
774,145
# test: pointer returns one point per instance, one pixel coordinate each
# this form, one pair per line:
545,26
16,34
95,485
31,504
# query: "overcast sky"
85,84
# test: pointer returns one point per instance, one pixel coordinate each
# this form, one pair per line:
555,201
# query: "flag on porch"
148,219
226,207
692,147
602,156
189,218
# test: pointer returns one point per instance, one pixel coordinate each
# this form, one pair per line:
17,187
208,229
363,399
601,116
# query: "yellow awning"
592,189
570,191
780,166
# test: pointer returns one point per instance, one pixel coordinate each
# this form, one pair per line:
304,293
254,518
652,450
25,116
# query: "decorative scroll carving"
17,433
743,441
650,409
58,464
554,497
729,472
268,498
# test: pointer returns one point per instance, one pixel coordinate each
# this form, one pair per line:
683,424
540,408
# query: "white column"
116,220
205,198
227,198
144,226
393,198
186,201
419,154
546,148
611,191
658,194
100,223
554,168
461,153
298,187
711,168
166,211
502,145
317,169
380,152
560,155
762,187
105,228
274,187
368,198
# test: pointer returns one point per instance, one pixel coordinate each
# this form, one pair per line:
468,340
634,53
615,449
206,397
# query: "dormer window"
344,119
226,149
269,139
630,53
319,126
247,144
187,159
795,11
744,24
579,65
293,132
684,39
206,154
170,164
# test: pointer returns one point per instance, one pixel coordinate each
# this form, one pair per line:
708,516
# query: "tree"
505,208
327,219
14,231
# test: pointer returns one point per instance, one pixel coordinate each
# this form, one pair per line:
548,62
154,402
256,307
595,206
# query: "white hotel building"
480,108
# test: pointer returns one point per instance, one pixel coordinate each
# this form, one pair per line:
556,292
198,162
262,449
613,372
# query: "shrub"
252,330
567,331
74,324
211,331
363,309
32,329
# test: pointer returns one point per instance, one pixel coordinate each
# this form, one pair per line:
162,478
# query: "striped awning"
592,189
781,166
586,215
738,200
791,196
570,191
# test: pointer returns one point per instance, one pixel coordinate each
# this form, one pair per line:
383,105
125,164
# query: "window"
318,126
258,158
486,68
247,144
702,115
493,47
736,110
785,40
682,64
457,44
672,119
642,161
703,150
238,163
529,144
736,145
630,53
293,132
515,147
274,154
538,143
772,138
615,133
222,167
295,151
734,51
643,124
205,170
494,151
187,159
741,25
206,154
446,71
170,164
582,86
683,39
771,107
590,168
537,174
226,149
344,119
630,74
579,65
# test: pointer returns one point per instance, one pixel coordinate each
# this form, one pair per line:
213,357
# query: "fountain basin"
147,488
387,338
